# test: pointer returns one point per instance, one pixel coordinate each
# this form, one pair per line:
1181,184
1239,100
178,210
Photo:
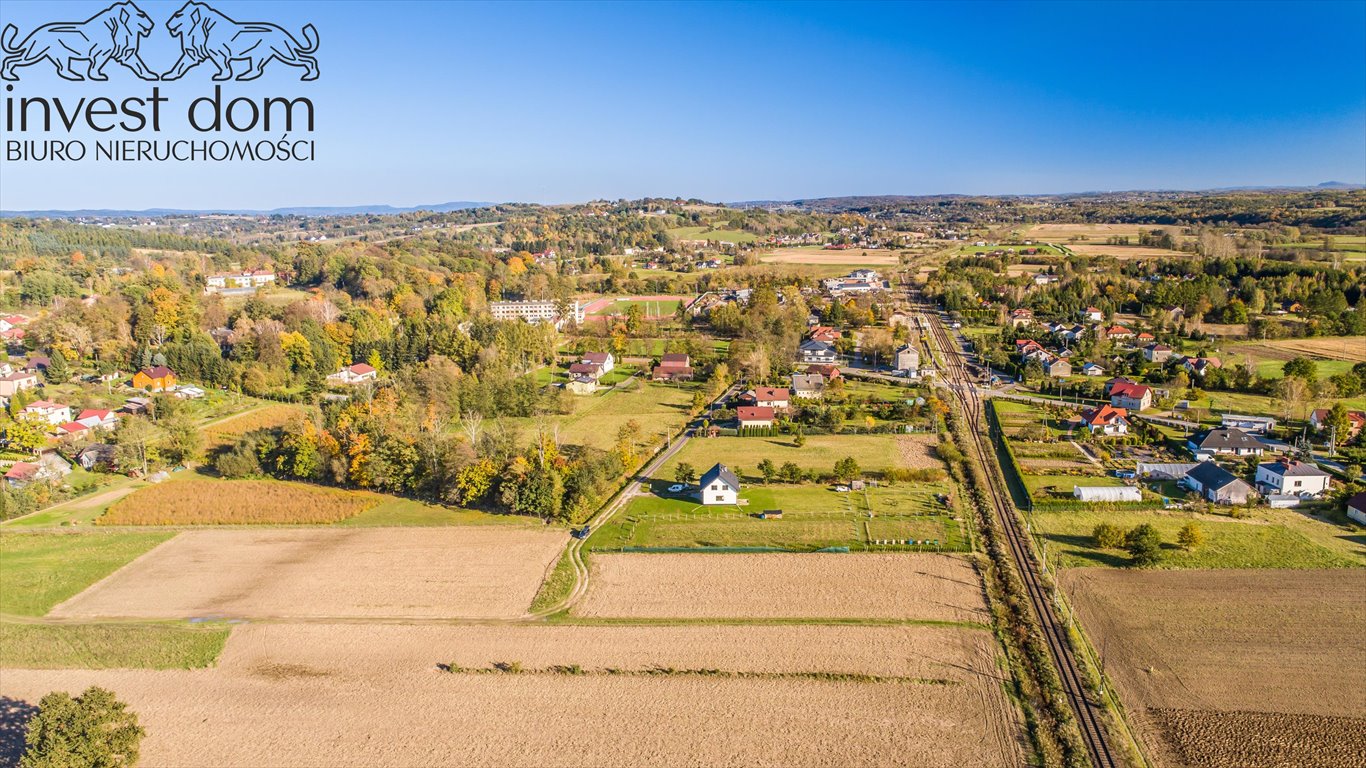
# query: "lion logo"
113,34
207,34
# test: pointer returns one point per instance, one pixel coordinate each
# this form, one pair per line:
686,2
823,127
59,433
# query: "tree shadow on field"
1084,548
14,717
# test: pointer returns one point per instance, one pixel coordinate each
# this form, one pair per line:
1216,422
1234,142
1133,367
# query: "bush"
1108,536
94,729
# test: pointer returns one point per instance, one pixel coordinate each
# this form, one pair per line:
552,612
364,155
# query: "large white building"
538,311
238,282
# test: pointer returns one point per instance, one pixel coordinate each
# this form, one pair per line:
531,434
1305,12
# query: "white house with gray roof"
1292,478
718,486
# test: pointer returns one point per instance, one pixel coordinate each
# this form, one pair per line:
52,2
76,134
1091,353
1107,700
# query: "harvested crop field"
1124,251
1349,348
913,651
1205,661
918,451
235,502
228,430
476,572
781,585
852,256
294,716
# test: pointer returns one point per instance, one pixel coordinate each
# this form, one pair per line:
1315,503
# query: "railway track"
1084,709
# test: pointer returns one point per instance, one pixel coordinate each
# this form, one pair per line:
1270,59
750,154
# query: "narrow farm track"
633,489
1087,712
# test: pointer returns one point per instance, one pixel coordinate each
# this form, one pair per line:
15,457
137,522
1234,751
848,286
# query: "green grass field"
1060,486
814,517
156,645
701,233
743,454
1228,543
1275,369
40,570
597,417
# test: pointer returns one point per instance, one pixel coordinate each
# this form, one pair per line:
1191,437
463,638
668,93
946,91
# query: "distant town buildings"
238,282
537,311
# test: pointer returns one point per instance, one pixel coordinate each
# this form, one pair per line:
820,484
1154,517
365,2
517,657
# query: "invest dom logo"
137,122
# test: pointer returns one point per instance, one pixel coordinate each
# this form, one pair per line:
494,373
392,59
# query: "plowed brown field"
882,586
1234,667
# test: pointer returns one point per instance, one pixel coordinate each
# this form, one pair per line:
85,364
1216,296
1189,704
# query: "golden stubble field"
383,691
318,573
780,585
1236,667
853,256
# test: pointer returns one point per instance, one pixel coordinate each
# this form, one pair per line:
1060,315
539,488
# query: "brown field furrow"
1223,646
888,586
425,573
1203,739
942,653
300,717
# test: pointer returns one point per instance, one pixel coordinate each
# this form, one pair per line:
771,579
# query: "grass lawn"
701,233
40,570
597,417
743,454
1230,543
110,646
396,511
1275,369
814,517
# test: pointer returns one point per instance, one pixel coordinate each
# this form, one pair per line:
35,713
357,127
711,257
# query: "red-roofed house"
1126,394
1092,314
158,378
52,413
1118,332
1107,420
824,333
754,416
354,374
1196,366
1357,420
829,372
17,381
673,367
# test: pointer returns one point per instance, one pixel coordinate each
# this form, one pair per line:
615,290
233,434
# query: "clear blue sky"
559,102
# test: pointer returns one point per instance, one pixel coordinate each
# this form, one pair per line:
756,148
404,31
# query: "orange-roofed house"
158,378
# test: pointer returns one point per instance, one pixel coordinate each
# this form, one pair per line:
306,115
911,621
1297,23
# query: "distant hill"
317,210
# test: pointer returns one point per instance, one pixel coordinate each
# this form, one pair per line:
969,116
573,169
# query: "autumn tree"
1190,536
1108,536
847,469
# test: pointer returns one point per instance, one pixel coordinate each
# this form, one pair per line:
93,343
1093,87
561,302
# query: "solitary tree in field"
847,469
1190,536
684,473
768,469
93,730
790,472
1144,544
799,439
